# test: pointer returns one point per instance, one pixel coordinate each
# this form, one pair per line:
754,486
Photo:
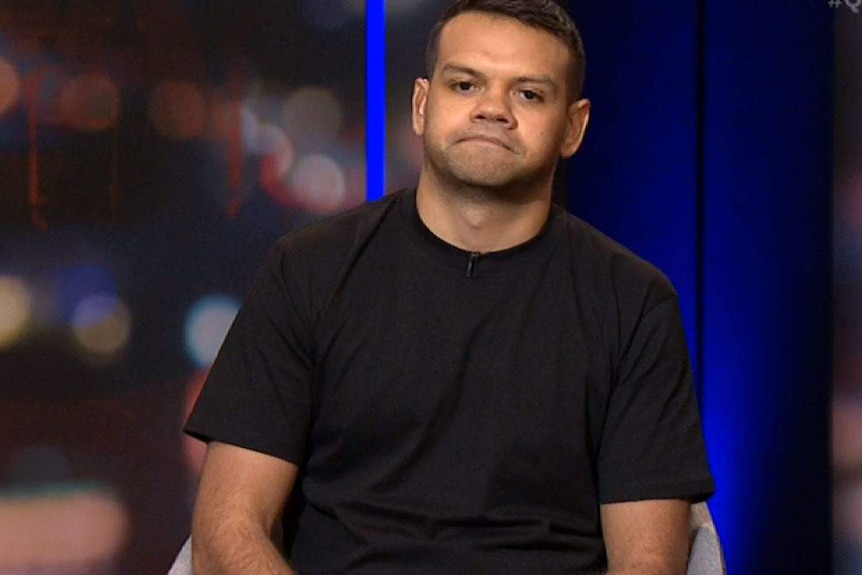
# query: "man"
468,379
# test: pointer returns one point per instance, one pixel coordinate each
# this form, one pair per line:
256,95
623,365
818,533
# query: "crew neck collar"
475,264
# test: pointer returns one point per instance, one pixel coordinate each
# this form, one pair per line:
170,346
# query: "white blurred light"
318,184
10,86
207,322
178,110
90,102
16,307
49,532
102,326
312,117
268,140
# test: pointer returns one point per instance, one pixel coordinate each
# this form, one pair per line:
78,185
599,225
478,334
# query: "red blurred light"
10,86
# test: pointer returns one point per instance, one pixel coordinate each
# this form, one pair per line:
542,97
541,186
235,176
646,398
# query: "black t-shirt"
455,413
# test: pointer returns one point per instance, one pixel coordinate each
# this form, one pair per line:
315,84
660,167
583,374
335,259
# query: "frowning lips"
487,138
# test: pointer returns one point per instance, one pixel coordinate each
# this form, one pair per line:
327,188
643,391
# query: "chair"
705,555
183,563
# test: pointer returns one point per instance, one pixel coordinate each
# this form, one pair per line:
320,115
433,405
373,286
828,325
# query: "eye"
531,96
462,85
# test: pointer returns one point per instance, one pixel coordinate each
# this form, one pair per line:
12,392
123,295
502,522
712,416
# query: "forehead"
496,42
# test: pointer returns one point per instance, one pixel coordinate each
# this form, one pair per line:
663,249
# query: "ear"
420,99
578,117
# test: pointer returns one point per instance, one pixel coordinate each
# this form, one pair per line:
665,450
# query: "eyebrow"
458,68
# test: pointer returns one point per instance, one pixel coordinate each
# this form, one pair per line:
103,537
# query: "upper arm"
240,487
647,537
651,443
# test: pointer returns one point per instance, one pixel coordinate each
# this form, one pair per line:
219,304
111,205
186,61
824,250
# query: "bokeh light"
207,322
231,118
249,126
90,102
10,86
178,110
16,305
277,152
41,91
102,326
849,204
269,139
126,145
318,184
312,118
848,512
62,530
846,439
76,283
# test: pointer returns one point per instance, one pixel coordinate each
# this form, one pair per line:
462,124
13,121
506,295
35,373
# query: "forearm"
240,500
647,537
237,549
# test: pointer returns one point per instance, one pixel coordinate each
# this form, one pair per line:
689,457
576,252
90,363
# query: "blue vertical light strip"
375,99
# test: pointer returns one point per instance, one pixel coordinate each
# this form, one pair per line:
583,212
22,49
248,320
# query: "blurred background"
847,415
152,150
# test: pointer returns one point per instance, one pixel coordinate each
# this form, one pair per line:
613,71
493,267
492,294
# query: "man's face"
496,113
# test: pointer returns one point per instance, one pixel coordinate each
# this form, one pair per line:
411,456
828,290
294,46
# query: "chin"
489,182
484,176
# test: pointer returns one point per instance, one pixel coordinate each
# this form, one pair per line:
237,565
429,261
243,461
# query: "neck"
481,220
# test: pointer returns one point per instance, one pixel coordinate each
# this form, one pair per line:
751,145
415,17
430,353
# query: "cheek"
549,136
542,140
439,122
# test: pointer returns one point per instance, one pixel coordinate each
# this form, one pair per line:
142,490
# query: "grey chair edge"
706,556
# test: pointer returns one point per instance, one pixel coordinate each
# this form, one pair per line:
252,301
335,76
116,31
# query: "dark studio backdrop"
151,150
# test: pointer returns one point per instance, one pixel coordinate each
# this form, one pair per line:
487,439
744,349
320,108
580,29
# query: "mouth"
490,140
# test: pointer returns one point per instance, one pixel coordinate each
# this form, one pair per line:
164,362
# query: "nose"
494,106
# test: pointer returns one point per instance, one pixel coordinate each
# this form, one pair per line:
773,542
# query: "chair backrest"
183,563
705,556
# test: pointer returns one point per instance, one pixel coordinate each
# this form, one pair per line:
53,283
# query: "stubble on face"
487,139
469,160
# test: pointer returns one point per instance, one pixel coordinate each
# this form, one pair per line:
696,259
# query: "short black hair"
543,14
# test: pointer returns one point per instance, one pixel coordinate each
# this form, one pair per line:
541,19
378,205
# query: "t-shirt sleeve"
257,394
652,444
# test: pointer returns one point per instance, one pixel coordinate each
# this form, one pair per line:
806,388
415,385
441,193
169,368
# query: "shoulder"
311,261
615,269
336,234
